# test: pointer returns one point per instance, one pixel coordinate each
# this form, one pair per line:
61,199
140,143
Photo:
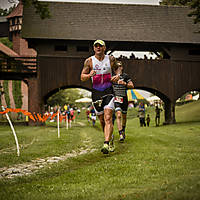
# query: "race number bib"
118,99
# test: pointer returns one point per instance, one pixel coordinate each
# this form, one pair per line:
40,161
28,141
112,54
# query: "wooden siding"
167,78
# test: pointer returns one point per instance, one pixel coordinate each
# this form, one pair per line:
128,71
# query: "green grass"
153,163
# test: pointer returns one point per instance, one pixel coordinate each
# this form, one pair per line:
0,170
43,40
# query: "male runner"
121,99
99,68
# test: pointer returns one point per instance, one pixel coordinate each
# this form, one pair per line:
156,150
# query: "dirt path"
35,165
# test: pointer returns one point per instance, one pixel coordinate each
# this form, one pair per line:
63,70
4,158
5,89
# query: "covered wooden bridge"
66,39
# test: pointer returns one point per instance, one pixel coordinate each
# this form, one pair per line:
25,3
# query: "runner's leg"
124,120
124,123
119,120
102,122
108,129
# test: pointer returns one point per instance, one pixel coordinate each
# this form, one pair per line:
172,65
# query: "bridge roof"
112,22
17,12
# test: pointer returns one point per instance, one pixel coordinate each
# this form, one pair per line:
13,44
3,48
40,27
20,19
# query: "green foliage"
67,96
193,4
5,12
6,92
40,7
6,42
17,93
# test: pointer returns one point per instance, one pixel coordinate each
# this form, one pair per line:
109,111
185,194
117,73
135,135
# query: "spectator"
142,114
148,120
93,115
88,115
157,118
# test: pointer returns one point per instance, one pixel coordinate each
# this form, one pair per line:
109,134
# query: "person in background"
71,110
157,118
88,115
78,111
148,120
93,115
121,99
142,114
99,69
65,107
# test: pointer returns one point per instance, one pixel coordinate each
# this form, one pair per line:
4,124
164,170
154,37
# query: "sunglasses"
98,45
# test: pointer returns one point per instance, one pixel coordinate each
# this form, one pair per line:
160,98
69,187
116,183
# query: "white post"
13,130
58,122
67,124
70,122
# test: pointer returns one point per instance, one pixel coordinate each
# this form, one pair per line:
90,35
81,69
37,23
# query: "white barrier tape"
13,130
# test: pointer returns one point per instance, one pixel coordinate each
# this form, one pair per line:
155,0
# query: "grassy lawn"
153,163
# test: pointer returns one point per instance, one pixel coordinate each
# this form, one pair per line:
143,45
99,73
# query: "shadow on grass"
194,122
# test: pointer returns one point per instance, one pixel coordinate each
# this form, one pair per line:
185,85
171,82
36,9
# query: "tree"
193,4
40,7
5,12
62,97
6,42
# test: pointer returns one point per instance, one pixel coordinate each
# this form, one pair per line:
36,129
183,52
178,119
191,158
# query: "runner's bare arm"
87,71
121,82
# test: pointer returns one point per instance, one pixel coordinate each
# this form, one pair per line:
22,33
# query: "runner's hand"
115,78
121,82
92,73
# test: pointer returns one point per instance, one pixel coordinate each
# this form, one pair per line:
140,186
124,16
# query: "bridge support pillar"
173,113
34,103
169,113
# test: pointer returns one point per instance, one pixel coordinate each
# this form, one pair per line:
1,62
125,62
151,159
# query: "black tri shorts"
121,104
102,100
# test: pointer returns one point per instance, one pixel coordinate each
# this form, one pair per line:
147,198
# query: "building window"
82,48
60,47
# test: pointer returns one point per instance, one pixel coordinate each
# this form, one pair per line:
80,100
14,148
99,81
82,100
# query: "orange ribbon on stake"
34,117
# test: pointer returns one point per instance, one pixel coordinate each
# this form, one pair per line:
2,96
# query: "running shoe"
124,135
105,148
111,146
121,138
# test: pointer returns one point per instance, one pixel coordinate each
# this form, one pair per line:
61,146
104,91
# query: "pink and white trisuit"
101,84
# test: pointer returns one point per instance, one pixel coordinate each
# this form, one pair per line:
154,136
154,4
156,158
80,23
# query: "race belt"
118,99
